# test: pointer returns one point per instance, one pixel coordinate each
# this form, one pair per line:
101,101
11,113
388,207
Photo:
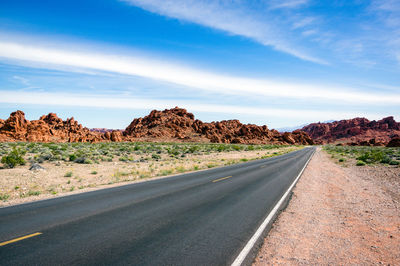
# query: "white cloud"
183,75
303,22
23,80
90,100
287,3
233,17
309,32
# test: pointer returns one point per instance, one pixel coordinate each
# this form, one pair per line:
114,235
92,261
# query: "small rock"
36,167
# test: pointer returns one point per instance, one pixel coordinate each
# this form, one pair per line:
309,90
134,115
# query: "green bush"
33,193
394,162
4,197
68,174
15,157
155,156
360,163
386,160
72,157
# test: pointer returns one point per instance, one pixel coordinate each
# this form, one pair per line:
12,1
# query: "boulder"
36,167
394,142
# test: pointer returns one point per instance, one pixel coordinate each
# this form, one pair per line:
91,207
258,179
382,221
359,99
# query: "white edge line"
246,250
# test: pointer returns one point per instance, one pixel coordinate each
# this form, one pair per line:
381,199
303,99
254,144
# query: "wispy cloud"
234,17
23,80
287,3
45,57
132,103
302,22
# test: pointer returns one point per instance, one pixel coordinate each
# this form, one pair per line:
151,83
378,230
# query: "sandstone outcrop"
49,128
357,131
169,125
178,124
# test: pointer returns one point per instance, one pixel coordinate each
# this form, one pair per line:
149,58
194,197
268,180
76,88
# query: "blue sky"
280,63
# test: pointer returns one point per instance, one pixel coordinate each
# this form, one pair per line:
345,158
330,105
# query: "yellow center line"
19,238
219,179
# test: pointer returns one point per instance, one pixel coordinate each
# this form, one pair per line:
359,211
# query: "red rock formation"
169,125
357,131
49,128
177,124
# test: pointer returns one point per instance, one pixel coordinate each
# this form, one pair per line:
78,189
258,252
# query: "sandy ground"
338,215
63,178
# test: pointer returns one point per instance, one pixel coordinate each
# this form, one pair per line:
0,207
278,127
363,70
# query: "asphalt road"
201,218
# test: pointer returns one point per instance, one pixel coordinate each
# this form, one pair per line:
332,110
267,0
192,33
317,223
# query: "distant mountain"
356,131
291,129
104,130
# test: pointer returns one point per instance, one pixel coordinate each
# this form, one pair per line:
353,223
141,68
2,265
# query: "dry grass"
64,177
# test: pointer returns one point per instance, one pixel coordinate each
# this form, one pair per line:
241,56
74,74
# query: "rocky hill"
357,131
49,128
178,124
169,125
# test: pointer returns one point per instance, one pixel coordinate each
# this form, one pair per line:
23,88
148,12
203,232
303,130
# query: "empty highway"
200,218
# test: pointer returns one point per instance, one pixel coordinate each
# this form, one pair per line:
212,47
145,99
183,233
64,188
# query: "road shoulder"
337,216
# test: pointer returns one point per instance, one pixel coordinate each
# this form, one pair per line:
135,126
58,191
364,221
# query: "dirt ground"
63,178
338,215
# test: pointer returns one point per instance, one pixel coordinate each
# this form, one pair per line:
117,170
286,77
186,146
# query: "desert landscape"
182,132
50,170
354,176
51,157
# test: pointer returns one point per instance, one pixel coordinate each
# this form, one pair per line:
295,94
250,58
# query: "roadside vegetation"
71,167
361,156
18,153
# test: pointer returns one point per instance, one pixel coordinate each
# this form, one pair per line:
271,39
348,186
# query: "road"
200,218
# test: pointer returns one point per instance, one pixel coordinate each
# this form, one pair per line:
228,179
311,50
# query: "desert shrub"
15,157
94,172
46,156
155,156
180,169
173,151
33,193
123,159
194,149
166,172
211,165
83,160
68,174
4,197
236,147
360,163
386,159
250,148
394,162
342,160
72,157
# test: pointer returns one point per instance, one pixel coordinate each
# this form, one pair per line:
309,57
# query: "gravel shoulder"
338,215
